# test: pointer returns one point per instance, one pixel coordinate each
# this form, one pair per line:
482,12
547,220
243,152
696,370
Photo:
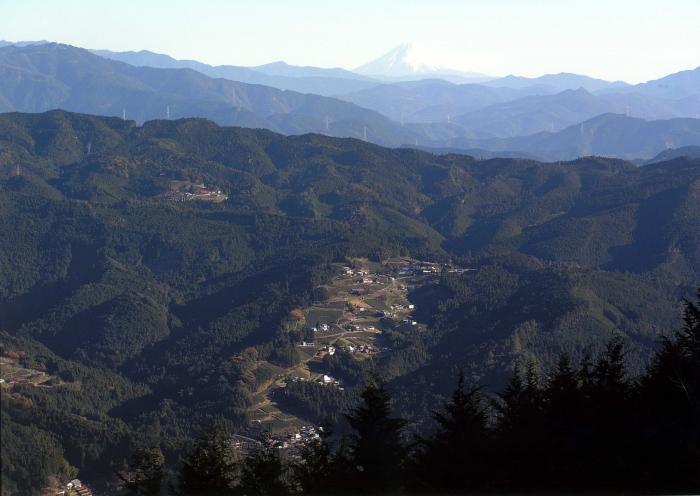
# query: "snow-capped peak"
406,61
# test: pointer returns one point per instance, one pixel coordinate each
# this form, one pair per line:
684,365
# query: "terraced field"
361,301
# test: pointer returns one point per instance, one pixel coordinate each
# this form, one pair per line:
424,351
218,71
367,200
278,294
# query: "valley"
171,275
360,302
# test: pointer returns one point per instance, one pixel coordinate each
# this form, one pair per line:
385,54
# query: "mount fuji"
406,62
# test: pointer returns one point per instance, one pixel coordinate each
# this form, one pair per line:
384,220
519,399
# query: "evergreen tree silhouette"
610,456
566,429
263,472
211,466
456,457
376,450
318,470
669,401
145,472
520,431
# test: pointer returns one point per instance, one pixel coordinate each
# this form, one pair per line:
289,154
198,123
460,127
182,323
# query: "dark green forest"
147,310
587,427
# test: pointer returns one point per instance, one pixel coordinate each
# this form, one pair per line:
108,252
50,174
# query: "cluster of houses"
412,268
75,488
365,277
417,268
305,435
327,380
357,327
326,350
321,328
244,443
196,192
323,379
351,273
362,348
13,373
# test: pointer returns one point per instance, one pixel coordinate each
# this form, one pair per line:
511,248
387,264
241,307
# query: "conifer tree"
670,403
520,430
263,472
315,471
562,407
611,452
376,450
456,457
145,472
211,467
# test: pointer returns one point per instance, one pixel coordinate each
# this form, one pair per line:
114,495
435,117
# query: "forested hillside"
43,77
148,272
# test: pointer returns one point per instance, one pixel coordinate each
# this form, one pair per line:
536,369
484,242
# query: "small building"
74,484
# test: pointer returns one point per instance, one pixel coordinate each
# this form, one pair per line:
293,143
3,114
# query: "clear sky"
633,40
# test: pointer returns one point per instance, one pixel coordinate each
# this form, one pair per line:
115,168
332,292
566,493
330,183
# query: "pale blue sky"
634,40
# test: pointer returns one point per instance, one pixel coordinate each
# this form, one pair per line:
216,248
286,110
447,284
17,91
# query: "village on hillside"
11,373
75,487
361,301
182,191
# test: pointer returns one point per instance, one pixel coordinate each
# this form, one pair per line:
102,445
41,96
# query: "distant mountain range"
4,43
278,74
492,118
555,112
611,135
678,86
432,100
556,82
501,111
672,153
42,77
